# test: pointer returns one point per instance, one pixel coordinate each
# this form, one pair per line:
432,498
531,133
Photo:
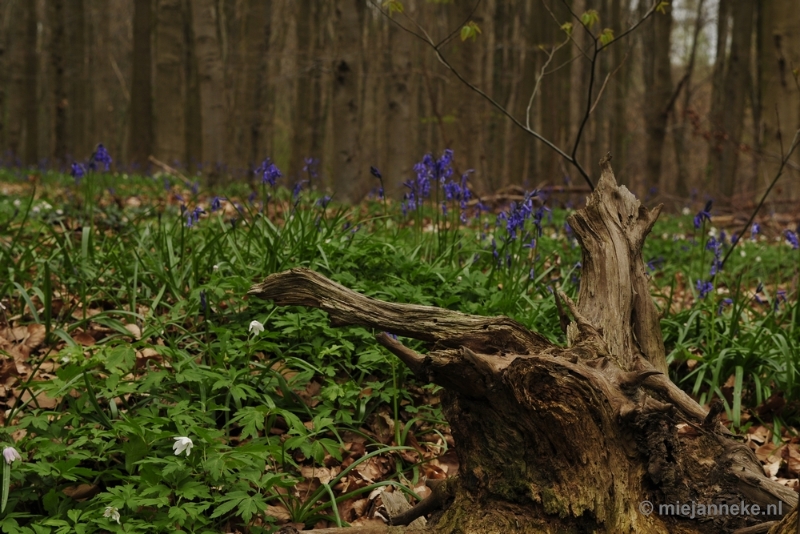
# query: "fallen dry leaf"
135,331
83,338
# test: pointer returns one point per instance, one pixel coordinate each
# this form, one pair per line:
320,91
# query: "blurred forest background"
693,103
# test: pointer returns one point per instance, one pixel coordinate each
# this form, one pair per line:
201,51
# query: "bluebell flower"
704,214
216,204
791,237
393,336
754,230
77,172
532,274
716,247
704,288
375,172
310,166
323,202
297,188
269,172
100,156
780,296
655,263
723,303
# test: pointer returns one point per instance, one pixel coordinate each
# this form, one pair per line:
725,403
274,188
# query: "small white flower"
112,512
686,211
712,232
742,253
182,444
758,258
17,203
256,327
10,454
216,268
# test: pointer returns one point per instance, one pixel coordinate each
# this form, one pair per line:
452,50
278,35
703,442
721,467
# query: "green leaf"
662,7
394,6
567,28
607,36
470,30
589,18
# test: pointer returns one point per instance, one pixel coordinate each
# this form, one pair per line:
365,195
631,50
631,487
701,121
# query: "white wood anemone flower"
113,513
181,444
256,327
10,455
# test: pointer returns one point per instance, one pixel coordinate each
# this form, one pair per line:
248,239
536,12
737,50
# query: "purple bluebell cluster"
297,188
704,288
100,155
193,216
310,167
216,204
428,170
269,172
703,214
716,248
377,174
791,237
520,212
457,192
754,231
77,172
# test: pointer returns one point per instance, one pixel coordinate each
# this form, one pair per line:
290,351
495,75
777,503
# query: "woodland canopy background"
216,86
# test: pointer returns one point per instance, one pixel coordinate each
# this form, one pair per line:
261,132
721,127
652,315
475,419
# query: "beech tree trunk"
566,438
141,138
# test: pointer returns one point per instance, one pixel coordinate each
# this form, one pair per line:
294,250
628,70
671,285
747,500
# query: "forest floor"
144,390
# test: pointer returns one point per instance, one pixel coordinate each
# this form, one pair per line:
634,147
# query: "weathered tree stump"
575,438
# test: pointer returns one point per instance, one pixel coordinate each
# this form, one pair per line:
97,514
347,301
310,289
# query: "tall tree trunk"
77,78
169,82
717,110
403,93
194,122
307,93
736,90
778,54
58,50
346,110
4,76
210,82
658,90
31,124
252,82
140,142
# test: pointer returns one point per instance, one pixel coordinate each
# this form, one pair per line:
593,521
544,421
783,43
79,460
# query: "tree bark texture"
140,142
31,124
58,51
346,104
210,82
78,109
658,89
169,83
564,438
728,122
778,55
